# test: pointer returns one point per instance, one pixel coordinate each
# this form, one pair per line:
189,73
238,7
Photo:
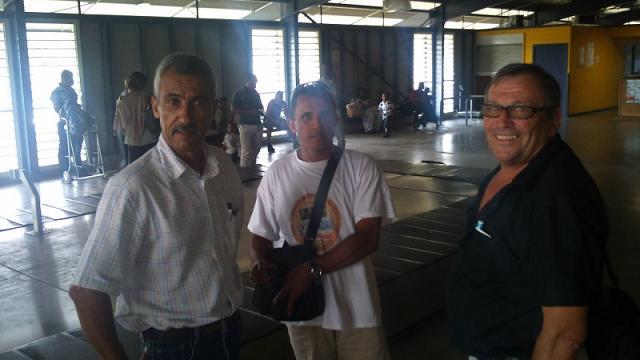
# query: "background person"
134,117
248,106
385,109
272,118
63,97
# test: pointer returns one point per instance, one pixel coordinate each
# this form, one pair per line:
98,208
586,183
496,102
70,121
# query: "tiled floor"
34,273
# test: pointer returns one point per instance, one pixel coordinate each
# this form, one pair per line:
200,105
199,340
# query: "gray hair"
186,64
548,84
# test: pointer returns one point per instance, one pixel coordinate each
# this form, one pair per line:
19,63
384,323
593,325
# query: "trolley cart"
93,165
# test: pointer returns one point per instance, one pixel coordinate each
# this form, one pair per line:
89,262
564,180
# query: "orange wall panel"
593,80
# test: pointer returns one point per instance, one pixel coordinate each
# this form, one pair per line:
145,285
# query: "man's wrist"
315,270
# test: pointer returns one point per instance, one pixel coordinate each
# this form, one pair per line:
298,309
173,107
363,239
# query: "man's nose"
185,113
503,119
316,121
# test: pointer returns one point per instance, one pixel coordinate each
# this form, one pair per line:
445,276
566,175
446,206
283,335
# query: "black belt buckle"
178,335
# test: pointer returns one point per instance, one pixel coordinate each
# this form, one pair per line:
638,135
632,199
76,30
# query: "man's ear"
154,106
292,125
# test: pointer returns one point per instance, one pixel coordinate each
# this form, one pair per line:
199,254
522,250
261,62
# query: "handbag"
311,303
614,323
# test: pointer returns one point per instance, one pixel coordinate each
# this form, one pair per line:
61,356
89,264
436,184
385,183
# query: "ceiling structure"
457,14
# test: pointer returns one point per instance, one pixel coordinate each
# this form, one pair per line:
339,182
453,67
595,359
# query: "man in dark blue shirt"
248,106
533,254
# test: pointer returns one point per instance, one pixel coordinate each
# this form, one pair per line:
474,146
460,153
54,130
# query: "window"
268,62
309,55
448,75
51,48
422,60
8,150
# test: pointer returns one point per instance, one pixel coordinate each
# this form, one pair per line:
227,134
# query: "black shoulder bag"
311,302
614,323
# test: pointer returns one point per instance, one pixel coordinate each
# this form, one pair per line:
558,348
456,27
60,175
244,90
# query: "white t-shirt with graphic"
358,191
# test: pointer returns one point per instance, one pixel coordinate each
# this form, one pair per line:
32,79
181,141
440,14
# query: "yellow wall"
593,87
534,36
590,87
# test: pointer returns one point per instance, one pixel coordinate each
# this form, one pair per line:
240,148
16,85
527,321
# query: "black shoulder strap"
321,195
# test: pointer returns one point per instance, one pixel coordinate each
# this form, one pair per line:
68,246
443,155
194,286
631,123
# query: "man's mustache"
184,128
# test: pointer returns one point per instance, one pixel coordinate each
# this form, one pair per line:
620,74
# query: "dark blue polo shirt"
539,242
246,98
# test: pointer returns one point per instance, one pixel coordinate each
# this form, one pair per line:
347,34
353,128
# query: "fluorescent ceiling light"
217,13
53,6
424,5
377,21
372,3
144,9
469,25
501,12
632,23
614,10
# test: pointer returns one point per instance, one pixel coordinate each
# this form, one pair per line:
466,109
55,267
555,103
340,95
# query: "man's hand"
261,271
96,317
297,281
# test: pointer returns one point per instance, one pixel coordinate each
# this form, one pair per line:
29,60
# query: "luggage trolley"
94,165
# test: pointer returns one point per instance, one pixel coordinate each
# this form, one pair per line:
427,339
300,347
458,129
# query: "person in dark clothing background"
62,97
247,105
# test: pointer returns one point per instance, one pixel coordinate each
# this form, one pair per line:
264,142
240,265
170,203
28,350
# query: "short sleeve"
107,256
373,198
263,221
572,234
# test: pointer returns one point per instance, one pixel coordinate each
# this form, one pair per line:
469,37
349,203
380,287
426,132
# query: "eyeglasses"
514,111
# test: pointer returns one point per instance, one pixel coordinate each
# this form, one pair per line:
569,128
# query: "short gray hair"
548,84
186,64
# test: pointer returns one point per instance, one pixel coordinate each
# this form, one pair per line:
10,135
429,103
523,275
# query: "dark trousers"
63,150
197,344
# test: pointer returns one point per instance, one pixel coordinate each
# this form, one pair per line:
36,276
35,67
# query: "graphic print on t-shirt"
329,228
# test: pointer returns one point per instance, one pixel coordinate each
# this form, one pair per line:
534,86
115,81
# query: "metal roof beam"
576,7
457,8
620,18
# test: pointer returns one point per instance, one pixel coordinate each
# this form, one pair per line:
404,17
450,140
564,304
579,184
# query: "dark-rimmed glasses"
514,111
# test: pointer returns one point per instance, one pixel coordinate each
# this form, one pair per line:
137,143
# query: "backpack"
614,323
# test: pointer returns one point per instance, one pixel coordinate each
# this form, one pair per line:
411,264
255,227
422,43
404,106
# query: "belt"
177,335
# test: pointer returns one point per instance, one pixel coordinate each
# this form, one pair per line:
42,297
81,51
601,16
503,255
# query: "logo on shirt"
328,231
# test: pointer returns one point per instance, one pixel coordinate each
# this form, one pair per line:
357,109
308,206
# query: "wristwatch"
315,270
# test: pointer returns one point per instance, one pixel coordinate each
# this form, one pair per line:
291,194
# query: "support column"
291,49
438,59
21,87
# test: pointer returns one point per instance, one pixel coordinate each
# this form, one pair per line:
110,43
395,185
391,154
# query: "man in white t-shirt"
357,203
